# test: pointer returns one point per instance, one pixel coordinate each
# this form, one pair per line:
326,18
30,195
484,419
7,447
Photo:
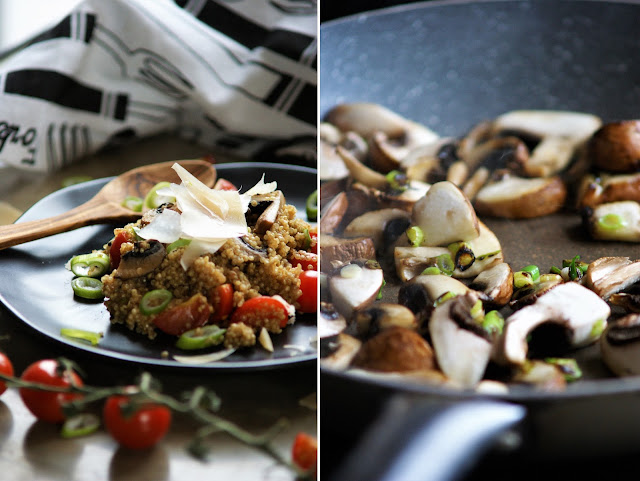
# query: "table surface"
33,450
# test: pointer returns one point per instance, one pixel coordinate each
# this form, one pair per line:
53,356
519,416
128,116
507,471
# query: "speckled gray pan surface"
452,64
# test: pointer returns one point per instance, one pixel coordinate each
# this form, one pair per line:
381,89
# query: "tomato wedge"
308,260
224,184
190,314
221,298
259,311
304,451
114,251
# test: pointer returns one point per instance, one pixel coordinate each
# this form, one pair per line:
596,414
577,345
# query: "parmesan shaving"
265,340
165,227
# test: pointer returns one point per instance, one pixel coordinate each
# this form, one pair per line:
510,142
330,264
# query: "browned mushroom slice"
445,215
424,164
360,172
330,164
609,188
541,375
374,224
145,257
335,251
355,285
615,147
332,215
396,349
617,221
330,321
609,275
370,320
266,207
528,295
620,346
515,197
495,284
499,153
628,301
412,261
340,352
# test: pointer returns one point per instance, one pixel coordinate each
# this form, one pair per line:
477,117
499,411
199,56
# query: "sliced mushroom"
628,301
475,183
615,221
396,349
340,351
330,321
528,295
515,197
370,320
498,153
412,261
373,224
335,251
145,257
581,312
423,163
620,346
360,172
609,275
421,293
615,147
445,215
495,285
266,207
332,215
330,164
611,188
462,347
542,375
355,286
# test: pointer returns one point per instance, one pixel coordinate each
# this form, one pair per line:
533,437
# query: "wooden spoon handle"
89,213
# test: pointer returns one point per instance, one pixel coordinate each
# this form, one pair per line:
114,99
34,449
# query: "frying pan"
451,65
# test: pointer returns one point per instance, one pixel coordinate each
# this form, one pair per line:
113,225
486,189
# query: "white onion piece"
205,358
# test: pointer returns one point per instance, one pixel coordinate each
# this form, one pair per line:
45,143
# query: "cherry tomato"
308,260
314,242
256,311
114,251
304,451
6,368
143,428
224,184
221,298
308,300
190,314
46,405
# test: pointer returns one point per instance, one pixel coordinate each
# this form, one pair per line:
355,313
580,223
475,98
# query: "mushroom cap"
358,289
496,284
608,275
144,258
615,147
620,346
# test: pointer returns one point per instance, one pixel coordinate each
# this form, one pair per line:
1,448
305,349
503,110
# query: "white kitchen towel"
233,75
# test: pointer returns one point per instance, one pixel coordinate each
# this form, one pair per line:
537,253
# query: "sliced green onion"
463,255
379,296
75,179
312,206
397,180
87,287
432,271
611,222
179,243
91,337
201,337
95,264
444,298
80,425
415,235
132,202
487,255
550,278
155,301
153,200
534,271
493,322
555,270
445,264
307,240
598,328
522,279
569,367
477,310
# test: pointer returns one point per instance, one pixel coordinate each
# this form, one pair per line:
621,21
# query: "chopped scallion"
611,222
87,287
156,301
132,202
534,271
445,264
95,264
312,206
91,337
415,235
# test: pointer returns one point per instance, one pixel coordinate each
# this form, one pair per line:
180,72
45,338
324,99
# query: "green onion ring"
155,301
312,206
415,235
201,337
534,271
95,264
611,222
132,202
80,425
89,336
445,264
87,287
153,200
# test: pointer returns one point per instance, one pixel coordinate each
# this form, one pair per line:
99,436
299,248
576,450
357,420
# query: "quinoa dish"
208,266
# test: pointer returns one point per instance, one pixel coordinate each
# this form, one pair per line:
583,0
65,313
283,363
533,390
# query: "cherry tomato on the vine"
6,368
308,300
46,405
141,429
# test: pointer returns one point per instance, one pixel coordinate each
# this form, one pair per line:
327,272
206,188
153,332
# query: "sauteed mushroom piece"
528,295
629,302
266,206
462,346
335,251
445,215
333,213
608,188
373,224
542,375
495,284
619,221
581,312
330,321
355,285
396,349
142,259
424,163
609,275
360,172
620,346
557,136
615,147
499,153
341,350
330,164
516,197
377,317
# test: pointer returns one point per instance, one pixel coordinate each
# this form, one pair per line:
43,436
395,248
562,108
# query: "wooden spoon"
106,206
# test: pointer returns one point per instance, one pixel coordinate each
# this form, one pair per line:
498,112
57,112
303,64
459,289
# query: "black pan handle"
428,439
